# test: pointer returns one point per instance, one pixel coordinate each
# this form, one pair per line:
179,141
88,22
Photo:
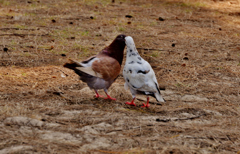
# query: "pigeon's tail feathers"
72,64
75,66
82,68
159,97
90,71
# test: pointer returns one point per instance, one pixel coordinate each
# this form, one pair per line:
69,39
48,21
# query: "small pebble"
161,19
128,16
5,49
185,58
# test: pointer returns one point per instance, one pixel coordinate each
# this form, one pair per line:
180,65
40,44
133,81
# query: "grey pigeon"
139,75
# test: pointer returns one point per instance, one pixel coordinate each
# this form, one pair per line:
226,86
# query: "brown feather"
115,49
108,67
101,72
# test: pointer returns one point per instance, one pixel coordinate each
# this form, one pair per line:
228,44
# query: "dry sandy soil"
194,49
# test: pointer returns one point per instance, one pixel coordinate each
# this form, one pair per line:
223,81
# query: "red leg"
109,97
131,103
97,95
146,105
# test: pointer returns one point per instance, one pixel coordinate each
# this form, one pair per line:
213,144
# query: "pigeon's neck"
132,53
115,50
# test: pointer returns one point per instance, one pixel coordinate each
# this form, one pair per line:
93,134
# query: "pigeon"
139,76
101,70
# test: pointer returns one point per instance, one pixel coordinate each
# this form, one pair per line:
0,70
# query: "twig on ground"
23,35
151,49
178,119
211,138
62,71
230,139
16,29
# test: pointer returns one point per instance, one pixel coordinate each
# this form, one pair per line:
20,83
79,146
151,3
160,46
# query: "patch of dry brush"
193,49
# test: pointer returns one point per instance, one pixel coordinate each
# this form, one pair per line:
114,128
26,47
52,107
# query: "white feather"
89,71
138,73
89,64
87,68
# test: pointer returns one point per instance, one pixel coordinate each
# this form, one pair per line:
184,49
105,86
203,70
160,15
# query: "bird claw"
110,98
145,105
130,103
97,96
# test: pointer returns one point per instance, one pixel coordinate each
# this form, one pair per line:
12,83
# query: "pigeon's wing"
89,61
153,87
150,78
132,77
140,76
108,67
103,67
86,66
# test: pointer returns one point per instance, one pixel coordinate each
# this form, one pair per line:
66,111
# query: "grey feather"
140,76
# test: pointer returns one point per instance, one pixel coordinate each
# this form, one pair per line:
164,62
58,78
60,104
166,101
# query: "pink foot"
109,97
146,105
97,96
131,103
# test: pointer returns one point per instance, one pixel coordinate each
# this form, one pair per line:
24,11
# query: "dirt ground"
193,47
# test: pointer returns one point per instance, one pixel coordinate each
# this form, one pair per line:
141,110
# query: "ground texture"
193,47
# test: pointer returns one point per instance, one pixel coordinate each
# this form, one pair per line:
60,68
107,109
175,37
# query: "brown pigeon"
101,70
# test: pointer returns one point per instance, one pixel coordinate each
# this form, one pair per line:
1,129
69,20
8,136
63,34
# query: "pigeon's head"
118,42
116,48
131,48
129,42
120,38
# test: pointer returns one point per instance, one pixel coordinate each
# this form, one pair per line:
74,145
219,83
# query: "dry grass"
44,108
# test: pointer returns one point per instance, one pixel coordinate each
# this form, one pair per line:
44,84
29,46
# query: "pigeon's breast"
99,83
